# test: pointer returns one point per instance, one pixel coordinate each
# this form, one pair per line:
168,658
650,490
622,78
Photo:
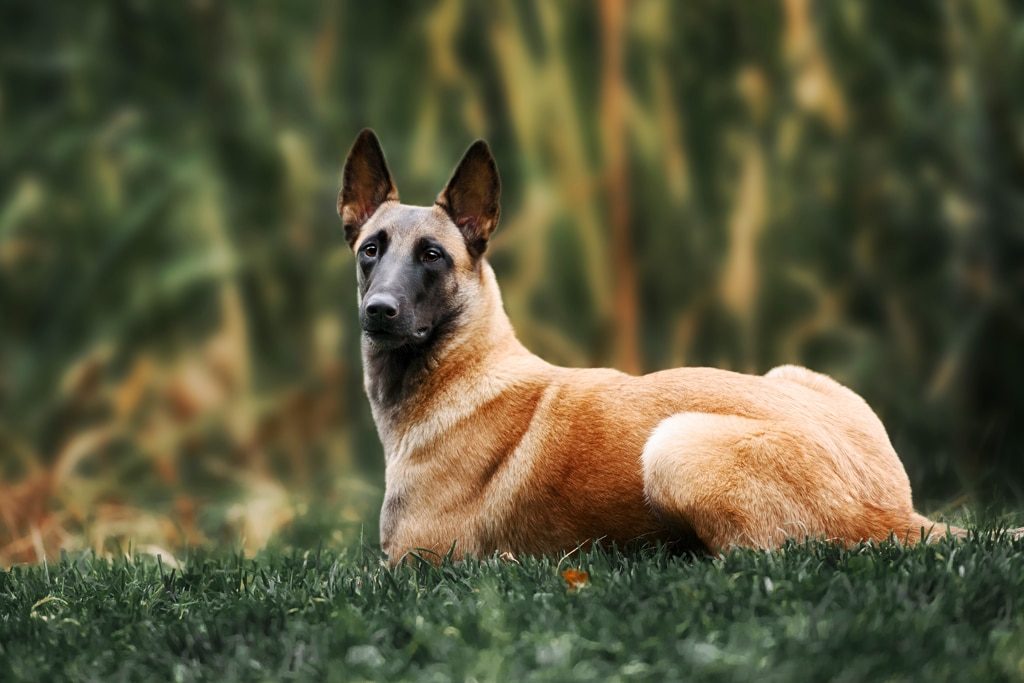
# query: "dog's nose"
381,307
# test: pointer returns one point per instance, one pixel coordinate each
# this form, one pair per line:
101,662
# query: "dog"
489,449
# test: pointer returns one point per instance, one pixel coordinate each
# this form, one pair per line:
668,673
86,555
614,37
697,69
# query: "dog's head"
417,267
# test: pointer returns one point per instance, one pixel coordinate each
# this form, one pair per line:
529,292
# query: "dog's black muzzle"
380,313
386,324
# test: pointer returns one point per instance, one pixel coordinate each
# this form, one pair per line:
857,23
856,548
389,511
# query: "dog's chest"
403,530
422,511
390,515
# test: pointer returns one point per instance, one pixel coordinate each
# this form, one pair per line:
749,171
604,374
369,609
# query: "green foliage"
836,184
814,611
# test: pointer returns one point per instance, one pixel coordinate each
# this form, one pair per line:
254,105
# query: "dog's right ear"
365,184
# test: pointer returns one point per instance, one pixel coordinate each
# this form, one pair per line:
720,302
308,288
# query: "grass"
953,610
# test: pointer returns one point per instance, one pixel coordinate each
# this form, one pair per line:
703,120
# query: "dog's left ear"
472,197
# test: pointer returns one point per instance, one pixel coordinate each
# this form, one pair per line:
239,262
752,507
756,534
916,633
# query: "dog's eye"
370,250
431,255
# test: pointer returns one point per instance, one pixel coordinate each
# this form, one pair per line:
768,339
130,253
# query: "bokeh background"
838,184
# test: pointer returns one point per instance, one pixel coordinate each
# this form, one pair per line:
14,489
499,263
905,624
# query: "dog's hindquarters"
700,470
748,482
918,526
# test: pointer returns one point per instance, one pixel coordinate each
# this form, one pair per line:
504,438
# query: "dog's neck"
407,385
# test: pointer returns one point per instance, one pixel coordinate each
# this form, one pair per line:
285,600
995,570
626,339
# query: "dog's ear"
472,197
365,184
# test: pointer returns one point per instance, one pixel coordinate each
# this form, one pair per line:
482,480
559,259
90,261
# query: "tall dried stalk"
616,180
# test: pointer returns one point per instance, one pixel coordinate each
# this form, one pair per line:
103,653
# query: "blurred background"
838,184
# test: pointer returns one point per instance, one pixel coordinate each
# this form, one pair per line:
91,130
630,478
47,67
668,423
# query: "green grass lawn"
954,610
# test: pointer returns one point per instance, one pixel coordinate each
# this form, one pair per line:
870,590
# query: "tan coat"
490,449
498,450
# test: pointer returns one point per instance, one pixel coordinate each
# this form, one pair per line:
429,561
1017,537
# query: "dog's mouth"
387,339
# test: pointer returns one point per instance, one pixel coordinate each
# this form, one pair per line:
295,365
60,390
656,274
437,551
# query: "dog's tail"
923,528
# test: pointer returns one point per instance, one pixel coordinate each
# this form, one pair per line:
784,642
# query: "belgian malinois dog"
490,449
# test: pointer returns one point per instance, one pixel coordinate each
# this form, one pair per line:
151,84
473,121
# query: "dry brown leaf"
576,578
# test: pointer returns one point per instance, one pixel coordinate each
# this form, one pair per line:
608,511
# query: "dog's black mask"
405,288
